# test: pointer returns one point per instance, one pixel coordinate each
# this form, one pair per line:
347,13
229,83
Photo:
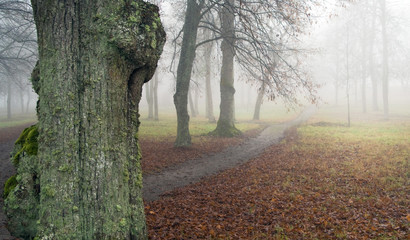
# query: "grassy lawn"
199,126
17,120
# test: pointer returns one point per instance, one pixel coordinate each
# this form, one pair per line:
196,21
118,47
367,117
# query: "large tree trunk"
184,72
208,89
385,63
259,101
226,122
94,58
155,96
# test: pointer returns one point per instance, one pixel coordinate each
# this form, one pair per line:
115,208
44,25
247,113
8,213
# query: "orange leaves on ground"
302,189
159,154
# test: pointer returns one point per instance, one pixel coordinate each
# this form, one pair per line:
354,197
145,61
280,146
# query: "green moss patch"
10,184
28,143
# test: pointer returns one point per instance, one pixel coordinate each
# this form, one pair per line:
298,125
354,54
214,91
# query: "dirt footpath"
173,177
192,171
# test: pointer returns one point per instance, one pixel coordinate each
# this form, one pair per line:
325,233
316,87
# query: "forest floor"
323,181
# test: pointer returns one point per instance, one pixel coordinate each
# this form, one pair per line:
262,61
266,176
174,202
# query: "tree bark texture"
184,71
226,122
94,58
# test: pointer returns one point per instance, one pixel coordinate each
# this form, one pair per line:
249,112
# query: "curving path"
174,177
192,171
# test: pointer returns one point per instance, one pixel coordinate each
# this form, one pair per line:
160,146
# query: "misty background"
342,51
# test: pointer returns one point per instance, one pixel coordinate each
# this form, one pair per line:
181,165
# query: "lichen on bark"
94,57
22,198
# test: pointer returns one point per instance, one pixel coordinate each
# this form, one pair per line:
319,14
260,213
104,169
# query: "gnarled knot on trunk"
136,31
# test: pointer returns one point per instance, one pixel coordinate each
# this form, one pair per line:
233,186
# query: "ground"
323,181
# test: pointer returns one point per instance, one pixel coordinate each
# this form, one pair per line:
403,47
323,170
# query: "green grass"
167,125
17,120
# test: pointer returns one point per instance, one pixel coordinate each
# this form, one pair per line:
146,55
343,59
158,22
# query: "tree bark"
94,58
226,122
184,71
385,63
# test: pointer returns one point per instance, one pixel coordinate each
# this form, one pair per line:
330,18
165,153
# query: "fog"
340,37
341,49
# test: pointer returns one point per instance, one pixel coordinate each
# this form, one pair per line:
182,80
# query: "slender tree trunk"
259,101
226,123
150,99
21,93
8,99
155,96
96,53
28,101
385,63
191,104
347,77
337,80
373,77
209,103
364,65
184,71
196,100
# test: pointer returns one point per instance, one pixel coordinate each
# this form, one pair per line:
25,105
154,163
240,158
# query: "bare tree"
18,45
251,44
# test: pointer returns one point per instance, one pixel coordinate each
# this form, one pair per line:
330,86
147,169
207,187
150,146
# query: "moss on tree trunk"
94,58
